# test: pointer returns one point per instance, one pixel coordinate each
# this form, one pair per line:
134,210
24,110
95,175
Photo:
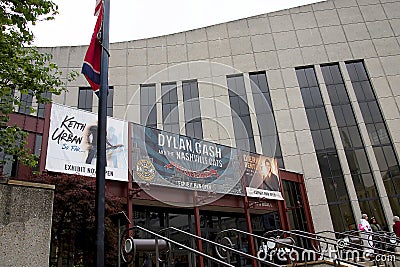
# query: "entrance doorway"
295,208
156,219
212,223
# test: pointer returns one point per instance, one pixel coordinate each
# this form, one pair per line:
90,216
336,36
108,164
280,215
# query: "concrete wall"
26,210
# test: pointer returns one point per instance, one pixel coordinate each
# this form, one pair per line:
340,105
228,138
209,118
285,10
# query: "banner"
173,160
261,176
72,144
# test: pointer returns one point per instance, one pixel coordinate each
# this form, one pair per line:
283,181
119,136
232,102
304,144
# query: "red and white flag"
98,7
92,62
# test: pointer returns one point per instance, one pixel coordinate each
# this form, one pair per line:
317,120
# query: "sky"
138,19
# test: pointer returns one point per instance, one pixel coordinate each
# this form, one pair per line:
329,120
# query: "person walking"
366,236
377,233
375,226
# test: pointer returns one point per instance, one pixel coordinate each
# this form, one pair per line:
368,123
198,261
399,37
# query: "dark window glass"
327,139
352,161
170,114
306,95
85,98
376,127
38,148
266,120
26,104
348,114
355,137
376,210
359,91
312,118
358,183
333,94
362,161
322,118
340,188
110,101
380,158
337,218
316,96
347,214
328,162
240,113
330,190
192,109
41,106
390,157
334,164
367,91
148,106
345,136
340,118
349,132
323,163
341,93
367,116
327,76
301,78
318,141
311,78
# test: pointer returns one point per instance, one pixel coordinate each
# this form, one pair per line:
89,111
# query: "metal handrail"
335,261
319,239
221,246
378,238
360,236
158,236
380,234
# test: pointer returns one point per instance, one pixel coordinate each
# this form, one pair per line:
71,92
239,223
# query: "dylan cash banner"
173,160
72,144
261,176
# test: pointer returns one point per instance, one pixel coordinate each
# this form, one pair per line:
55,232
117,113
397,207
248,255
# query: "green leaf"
23,70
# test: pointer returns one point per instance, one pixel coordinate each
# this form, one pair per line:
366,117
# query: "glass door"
295,210
155,219
211,223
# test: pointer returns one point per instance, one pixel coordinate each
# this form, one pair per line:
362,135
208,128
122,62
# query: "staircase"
275,248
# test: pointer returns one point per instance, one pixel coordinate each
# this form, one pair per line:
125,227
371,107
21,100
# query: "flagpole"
101,139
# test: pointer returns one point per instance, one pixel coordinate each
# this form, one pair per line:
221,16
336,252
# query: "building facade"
314,86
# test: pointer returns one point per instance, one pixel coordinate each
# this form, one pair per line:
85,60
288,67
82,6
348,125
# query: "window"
377,130
265,117
170,112
191,104
8,167
351,139
328,160
26,104
110,101
42,106
85,99
148,106
38,148
240,114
